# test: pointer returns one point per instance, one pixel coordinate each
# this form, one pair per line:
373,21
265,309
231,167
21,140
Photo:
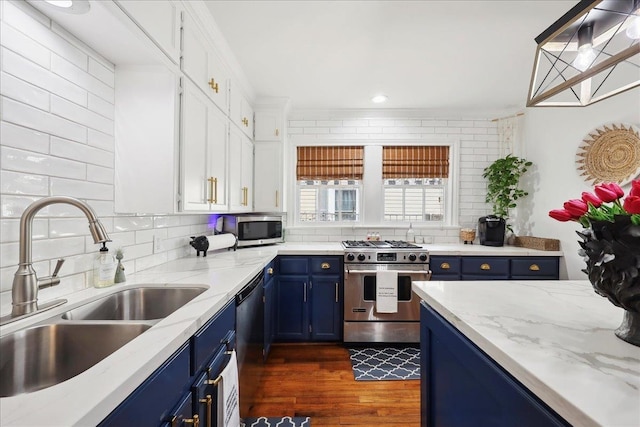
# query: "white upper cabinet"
160,20
268,193
201,63
146,136
241,111
240,171
268,125
203,179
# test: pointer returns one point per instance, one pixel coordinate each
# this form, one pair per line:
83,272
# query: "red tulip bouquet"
611,247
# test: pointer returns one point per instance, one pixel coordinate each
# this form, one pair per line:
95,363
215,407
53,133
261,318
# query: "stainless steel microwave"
254,230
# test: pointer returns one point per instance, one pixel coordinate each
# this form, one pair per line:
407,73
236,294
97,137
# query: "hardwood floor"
316,380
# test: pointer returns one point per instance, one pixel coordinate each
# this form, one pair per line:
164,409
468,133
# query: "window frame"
372,211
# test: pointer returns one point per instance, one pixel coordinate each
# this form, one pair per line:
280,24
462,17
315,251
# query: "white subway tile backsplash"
20,137
37,163
132,223
17,65
46,249
165,221
81,189
99,174
102,72
82,78
33,118
13,206
101,140
137,251
81,115
21,91
10,229
145,262
81,152
356,123
21,183
17,42
67,227
100,106
328,123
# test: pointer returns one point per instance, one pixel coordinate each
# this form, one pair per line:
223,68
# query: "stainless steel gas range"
366,262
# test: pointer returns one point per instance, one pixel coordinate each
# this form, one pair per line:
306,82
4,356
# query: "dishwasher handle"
245,292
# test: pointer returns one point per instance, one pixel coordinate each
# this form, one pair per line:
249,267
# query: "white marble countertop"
555,337
90,396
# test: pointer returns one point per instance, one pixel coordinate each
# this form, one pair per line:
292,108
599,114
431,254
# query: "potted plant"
503,178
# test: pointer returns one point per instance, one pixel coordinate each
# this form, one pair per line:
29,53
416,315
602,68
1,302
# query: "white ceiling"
440,55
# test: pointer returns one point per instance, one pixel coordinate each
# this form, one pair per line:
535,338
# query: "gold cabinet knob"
534,267
325,266
485,267
445,266
270,271
214,85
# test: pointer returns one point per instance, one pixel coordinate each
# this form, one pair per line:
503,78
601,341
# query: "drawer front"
444,265
326,265
535,267
485,266
216,332
293,265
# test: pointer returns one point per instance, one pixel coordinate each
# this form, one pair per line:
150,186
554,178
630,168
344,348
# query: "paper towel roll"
221,241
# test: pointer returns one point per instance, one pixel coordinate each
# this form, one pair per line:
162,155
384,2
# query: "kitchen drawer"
220,329
293,265
444,265
494,267
149,404
535,267
326,265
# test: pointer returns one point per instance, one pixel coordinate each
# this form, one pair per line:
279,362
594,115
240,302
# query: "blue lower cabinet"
151,403
444,267
326,308
183,415
463,387
292,310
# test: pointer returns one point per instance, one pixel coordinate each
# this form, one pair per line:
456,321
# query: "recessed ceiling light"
60,3
378,99
66,6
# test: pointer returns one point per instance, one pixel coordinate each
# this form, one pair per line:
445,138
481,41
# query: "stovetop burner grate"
395,244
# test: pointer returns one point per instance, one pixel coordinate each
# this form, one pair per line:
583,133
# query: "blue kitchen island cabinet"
461,386
182,392
308,298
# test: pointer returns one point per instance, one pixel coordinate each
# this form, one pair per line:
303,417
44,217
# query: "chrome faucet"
24,292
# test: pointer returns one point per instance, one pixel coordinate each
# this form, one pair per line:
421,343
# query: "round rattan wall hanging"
610,154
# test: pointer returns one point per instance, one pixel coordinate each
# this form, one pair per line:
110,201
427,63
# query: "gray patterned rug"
389,363
277,422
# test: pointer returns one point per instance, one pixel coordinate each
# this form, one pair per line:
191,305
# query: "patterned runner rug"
277,422
377,364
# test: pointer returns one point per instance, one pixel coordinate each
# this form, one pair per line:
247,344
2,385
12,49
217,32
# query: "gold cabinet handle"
245,122
276,198
337,286
277,132
445,266
485,267
325,266
195,421
534,267
270,271
214,85
213,189
209,401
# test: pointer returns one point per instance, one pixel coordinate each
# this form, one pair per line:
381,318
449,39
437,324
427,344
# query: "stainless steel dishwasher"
249,340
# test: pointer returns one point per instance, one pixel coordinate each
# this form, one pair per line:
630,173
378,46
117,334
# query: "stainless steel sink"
38,357
136,304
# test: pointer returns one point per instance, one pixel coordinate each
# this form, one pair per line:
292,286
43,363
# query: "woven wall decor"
610,154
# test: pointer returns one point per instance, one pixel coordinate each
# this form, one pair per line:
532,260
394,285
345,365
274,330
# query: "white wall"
56,138
552,137
478,143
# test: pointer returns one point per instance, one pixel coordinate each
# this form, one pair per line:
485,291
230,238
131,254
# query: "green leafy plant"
503,177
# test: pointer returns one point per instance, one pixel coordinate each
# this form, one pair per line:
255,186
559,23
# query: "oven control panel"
385,257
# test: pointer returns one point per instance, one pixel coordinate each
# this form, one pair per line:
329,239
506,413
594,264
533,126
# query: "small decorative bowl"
468,235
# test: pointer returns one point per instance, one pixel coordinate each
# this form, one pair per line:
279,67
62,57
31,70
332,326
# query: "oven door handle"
428,272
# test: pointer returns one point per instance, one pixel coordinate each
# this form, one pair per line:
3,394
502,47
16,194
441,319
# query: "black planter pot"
491,230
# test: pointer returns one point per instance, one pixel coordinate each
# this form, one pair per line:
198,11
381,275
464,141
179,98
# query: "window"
329,182
401,184
414,180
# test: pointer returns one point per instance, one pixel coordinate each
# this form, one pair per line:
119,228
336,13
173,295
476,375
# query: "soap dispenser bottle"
104,268
411,235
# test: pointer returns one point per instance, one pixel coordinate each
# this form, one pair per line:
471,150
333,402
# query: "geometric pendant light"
591,53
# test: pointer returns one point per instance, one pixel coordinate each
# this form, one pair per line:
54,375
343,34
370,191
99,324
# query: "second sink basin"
42,356
136,304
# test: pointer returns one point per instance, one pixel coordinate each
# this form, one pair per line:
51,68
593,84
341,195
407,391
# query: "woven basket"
540,243
467,234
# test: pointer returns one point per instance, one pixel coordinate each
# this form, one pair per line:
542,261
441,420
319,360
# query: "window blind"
415,162
330,163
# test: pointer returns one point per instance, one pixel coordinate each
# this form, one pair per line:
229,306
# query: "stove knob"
423,257
351,257
361,257
412,257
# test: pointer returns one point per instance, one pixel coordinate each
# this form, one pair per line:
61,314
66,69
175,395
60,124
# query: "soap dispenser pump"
104,268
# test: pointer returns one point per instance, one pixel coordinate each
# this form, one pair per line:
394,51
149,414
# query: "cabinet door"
326,308
292,312
240,171
160,20
203,153
240,110
268,126
182,415
268,195
203,65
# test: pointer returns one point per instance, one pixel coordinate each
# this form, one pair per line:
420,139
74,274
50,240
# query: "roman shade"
322,163
415,162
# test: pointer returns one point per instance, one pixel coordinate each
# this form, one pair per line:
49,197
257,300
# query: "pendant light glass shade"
589,54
